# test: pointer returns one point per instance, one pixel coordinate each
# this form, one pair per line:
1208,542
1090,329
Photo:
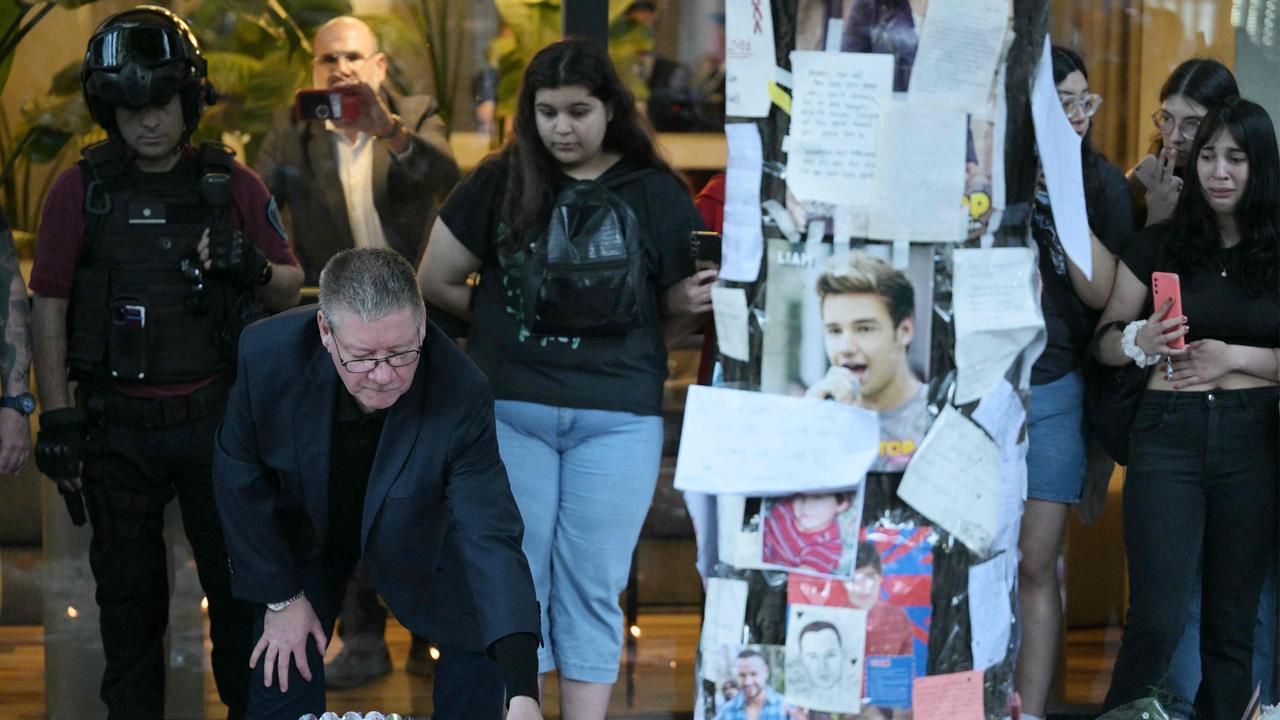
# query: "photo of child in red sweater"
811,532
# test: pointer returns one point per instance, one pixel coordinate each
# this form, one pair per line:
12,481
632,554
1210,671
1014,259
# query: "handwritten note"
955,696
954,480
836,106
726,613
1059,148
959,52
751,443
749,57
730,308
743,245
997,316
920,175
990,612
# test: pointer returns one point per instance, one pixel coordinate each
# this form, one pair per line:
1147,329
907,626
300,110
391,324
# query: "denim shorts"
1056,453
583,480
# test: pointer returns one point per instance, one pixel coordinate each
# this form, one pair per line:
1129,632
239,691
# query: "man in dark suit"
360,432
373,181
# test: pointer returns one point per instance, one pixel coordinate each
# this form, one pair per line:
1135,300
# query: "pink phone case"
1164,286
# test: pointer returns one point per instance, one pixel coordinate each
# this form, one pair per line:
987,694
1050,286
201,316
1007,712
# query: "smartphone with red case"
340,103
1164,286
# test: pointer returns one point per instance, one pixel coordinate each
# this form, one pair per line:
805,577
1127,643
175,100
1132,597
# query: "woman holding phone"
1202,475
578,415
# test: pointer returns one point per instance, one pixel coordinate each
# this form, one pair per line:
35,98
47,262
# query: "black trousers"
1202,477
468,685
130,474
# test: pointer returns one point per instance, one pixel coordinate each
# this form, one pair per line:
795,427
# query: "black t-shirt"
1068,330
351,452
1217,307
615,372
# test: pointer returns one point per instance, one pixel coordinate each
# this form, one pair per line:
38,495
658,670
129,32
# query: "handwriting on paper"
836,106
954,696
997,316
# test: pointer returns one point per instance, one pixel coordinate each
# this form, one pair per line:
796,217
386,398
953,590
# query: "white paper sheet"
835,112
997,315
751,443
990,612
749,57
730,308
1001,414
920,175
954,480
1059,149
743,244
959,51
726,613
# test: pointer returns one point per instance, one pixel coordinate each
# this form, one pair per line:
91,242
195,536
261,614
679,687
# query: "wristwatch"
278,606
24,403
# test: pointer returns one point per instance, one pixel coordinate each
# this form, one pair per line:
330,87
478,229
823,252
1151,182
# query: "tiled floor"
663,674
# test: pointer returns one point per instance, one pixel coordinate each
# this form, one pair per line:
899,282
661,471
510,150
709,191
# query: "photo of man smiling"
868,322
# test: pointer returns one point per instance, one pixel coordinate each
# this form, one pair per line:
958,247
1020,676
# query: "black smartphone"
705,245
127,344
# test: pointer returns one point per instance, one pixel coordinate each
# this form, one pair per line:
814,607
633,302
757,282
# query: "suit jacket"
436,468
298,162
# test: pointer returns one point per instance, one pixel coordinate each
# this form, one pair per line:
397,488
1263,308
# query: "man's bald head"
345,49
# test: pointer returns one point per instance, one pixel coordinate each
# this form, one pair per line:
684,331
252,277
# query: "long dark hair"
1196,239
533,170
1065,62
1204,81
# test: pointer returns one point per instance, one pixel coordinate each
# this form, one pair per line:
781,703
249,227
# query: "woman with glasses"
1192,90
578,415
1202,475
1056,442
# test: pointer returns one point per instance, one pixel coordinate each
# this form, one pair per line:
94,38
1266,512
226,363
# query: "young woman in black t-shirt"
1056,452
578,418
1202,474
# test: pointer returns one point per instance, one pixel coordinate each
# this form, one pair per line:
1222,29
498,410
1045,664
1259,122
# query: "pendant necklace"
1223,266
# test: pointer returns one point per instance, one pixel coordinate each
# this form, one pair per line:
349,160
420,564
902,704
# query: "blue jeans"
1201,484
1184,669
583,480
1056,452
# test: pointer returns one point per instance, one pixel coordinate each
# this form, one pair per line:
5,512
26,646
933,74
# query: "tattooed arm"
15,357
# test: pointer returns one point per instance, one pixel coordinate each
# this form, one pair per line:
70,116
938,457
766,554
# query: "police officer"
152,255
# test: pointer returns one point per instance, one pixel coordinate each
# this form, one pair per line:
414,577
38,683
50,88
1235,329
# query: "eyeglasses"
352,57
1165,122
366,365
1087,104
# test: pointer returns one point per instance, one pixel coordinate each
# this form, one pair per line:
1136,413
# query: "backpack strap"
100,164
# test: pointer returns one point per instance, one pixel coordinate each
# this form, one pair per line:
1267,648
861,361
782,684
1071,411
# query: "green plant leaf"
45,143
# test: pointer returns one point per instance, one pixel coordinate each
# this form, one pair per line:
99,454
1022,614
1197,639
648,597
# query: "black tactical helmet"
143,57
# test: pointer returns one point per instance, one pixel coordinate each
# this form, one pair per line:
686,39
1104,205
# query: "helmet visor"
146,45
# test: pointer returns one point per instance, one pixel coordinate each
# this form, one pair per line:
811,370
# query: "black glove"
231,254
60,443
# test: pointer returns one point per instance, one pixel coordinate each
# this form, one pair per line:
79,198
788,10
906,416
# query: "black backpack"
587,272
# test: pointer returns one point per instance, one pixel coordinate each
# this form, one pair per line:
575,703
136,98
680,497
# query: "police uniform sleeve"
61,236
259,218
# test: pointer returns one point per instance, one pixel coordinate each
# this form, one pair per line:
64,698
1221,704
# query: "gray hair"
369,283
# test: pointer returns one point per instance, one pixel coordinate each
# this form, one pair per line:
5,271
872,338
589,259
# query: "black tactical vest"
135,315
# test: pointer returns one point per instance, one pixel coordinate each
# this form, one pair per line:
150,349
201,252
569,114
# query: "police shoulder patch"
273,216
